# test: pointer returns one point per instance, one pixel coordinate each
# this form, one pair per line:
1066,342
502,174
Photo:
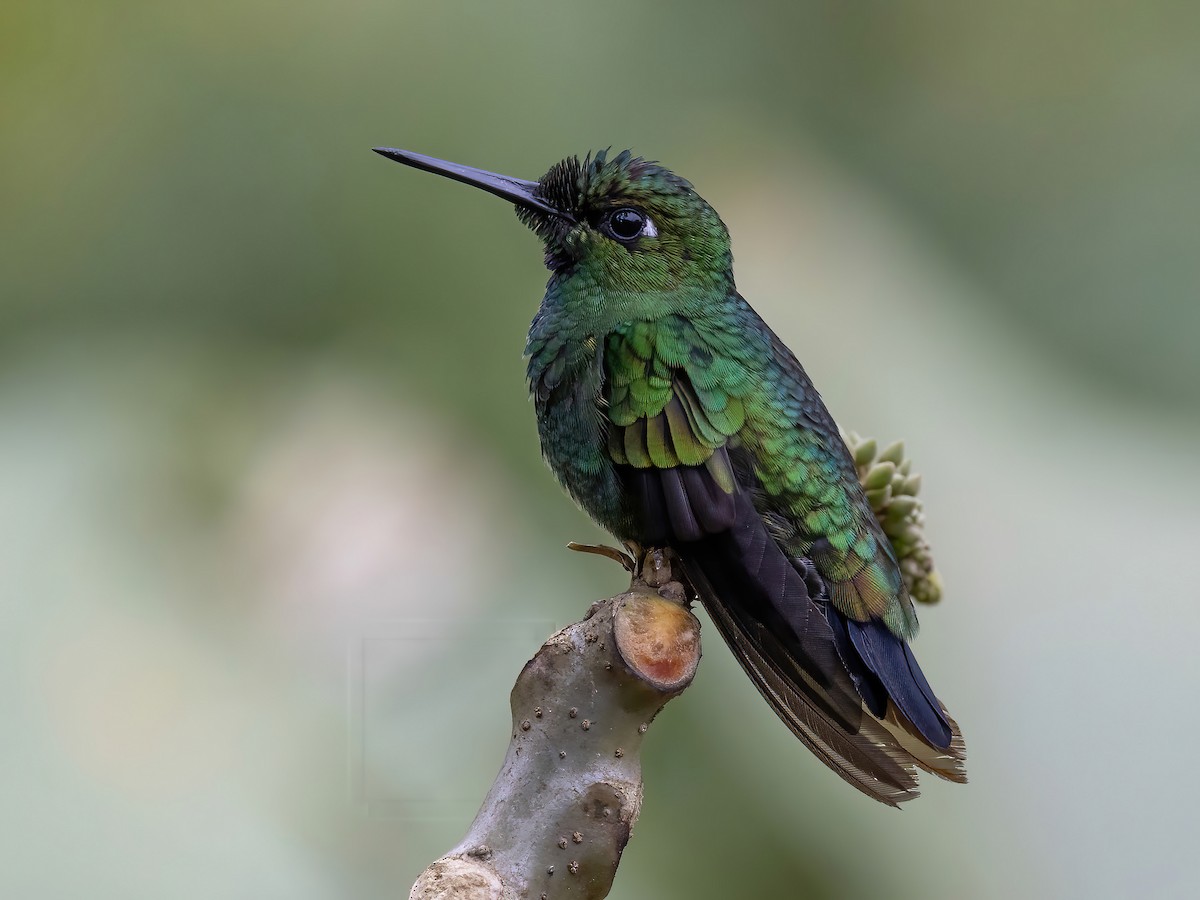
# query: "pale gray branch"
561,810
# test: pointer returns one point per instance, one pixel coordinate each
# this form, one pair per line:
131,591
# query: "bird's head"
616,226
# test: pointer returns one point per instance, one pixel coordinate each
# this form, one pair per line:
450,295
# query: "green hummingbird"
674,416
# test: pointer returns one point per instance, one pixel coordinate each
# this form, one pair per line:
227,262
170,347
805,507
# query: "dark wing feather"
760,603
834,682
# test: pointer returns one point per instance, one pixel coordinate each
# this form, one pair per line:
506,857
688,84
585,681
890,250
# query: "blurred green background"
275,533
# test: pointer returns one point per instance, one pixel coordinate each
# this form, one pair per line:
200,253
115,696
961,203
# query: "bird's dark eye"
626,224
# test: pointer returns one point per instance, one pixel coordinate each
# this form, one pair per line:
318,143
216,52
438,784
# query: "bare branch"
562,808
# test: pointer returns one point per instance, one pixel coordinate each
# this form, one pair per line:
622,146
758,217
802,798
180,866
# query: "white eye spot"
648,229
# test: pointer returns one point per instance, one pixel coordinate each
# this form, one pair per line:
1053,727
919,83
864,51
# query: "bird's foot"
656,567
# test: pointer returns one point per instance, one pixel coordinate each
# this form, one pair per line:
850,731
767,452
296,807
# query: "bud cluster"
892,489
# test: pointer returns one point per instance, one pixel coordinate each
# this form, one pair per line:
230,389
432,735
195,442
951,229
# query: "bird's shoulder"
648,362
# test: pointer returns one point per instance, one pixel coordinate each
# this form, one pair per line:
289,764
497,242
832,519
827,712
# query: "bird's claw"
627,561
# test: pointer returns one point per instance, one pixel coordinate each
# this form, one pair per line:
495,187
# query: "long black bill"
515,190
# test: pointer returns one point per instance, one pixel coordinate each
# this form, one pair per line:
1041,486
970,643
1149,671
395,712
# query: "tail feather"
893,662
948,763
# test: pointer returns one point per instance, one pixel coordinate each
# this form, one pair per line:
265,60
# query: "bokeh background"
274,533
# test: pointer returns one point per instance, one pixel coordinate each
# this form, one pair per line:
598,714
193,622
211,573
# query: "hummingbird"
675,417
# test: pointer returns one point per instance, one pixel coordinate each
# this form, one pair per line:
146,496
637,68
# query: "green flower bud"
864,452
894,453
880,476
880,498
928,589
